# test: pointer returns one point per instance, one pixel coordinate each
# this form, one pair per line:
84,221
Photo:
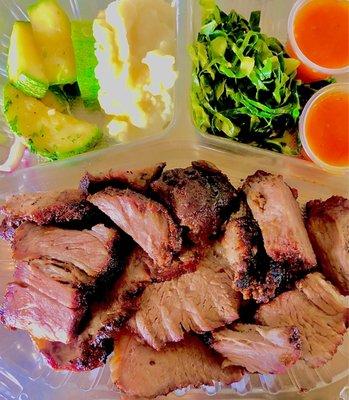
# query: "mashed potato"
135,47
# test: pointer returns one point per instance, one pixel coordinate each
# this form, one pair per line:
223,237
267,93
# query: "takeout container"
23,373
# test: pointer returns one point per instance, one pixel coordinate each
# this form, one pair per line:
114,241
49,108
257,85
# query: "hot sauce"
321,32
327,128
305,73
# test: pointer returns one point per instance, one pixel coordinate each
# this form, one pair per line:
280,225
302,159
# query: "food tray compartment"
23,371
10,11
274,17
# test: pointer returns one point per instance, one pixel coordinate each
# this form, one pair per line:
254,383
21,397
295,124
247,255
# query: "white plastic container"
23,374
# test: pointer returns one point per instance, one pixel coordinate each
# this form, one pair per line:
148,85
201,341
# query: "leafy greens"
244,84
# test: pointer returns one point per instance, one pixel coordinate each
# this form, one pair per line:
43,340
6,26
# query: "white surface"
23,374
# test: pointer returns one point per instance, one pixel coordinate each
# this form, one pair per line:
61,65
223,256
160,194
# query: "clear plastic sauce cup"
323,128
326,24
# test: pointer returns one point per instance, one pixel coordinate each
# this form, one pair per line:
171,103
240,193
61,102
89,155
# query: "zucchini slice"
56,99
86,61
46,131
52,33
24,63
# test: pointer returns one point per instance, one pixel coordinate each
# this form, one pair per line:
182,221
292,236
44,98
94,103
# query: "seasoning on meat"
46,207
201,198
60,281
138,180
256,275
327,223
279,217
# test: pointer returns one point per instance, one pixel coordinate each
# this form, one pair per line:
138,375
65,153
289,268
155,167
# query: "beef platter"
185,277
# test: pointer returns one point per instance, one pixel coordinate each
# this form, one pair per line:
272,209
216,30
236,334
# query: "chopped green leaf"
225,125
291,65
218,46
209,28
254,21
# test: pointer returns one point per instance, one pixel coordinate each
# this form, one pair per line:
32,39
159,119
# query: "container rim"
298,52
332,88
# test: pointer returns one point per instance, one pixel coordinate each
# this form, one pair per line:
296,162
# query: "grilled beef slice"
258,348
319,312
256,275
62,282
46,207
146,221
200,197
138,180
279,217
91,348
92,251
26,308
199,301
56,268
327,223
142,372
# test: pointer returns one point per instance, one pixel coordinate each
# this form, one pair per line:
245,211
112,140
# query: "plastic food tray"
23,373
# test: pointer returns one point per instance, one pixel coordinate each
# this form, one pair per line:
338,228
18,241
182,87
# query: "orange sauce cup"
324,128
318,36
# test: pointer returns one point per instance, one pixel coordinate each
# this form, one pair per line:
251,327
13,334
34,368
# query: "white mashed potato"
135,47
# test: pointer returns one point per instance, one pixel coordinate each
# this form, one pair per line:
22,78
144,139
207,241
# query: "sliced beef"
201,197
145,220
279,217
185,262
142,372
242,245
56,269
62,282
327,223
28,309
92,251
137,179
91,348
199,301
256,275
46,207
317,309
258,348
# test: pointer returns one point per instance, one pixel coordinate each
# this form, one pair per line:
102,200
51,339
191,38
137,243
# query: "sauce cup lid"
332,88
298,52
